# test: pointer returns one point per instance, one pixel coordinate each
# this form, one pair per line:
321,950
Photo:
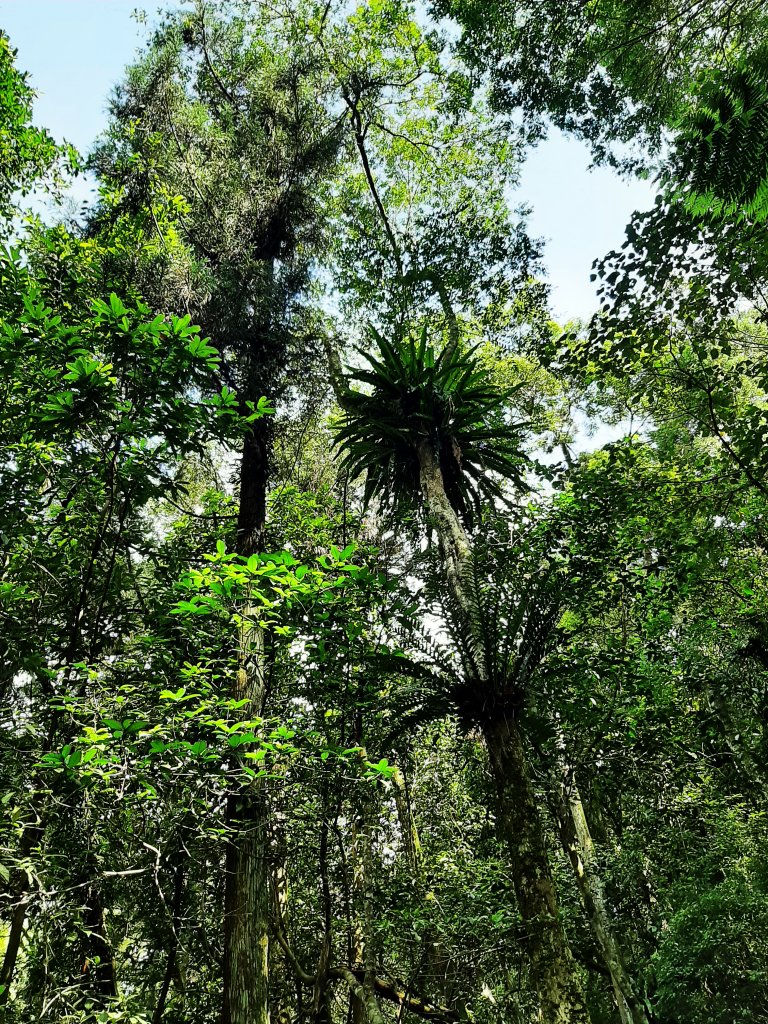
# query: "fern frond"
722,144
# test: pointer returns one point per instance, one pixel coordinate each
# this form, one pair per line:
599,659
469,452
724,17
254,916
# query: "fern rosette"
414,395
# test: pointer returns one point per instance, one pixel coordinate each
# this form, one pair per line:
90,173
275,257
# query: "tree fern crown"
413,395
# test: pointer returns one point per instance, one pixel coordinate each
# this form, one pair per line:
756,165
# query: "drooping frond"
722,148
446,399
423,689
505,638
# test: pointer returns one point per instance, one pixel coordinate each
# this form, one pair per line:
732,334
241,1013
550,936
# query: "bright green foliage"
25,152
443,400
97,413
285,172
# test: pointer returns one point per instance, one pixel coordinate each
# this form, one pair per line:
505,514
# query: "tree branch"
394,993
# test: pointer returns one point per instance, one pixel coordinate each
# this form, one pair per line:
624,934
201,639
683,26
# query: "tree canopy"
346,676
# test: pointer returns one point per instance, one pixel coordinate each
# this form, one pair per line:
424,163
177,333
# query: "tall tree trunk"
321,996
554,974
246,886
577,844
246,909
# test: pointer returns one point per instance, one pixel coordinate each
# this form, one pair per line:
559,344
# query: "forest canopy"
348,674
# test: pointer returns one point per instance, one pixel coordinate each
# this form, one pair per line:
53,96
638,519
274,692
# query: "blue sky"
75,52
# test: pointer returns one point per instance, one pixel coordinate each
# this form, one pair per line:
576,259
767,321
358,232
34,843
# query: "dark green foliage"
444,400
220,135
711,963
617,621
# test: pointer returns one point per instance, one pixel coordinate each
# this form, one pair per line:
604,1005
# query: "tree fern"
503,642
722,145
511,628
413,395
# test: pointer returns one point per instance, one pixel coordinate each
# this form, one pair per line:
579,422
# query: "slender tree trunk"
554,974
454,544
359,943
577,844
99,969
321,996
246,887
13,942
171,967
408,830
432,961
19,892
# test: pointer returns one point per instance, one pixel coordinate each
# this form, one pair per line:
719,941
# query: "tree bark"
99,973
363,994
395,992
360,938
19,892
246,910
13,942
554,974
454,544
578,846
246,887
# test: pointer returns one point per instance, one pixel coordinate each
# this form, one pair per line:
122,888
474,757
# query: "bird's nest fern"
495,656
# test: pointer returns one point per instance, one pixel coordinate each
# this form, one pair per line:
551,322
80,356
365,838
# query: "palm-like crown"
444,399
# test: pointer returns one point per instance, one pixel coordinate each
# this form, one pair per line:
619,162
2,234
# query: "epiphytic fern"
489,665
504,640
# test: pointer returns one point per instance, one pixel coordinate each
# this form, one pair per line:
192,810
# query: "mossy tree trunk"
553,972
578,846
246,887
